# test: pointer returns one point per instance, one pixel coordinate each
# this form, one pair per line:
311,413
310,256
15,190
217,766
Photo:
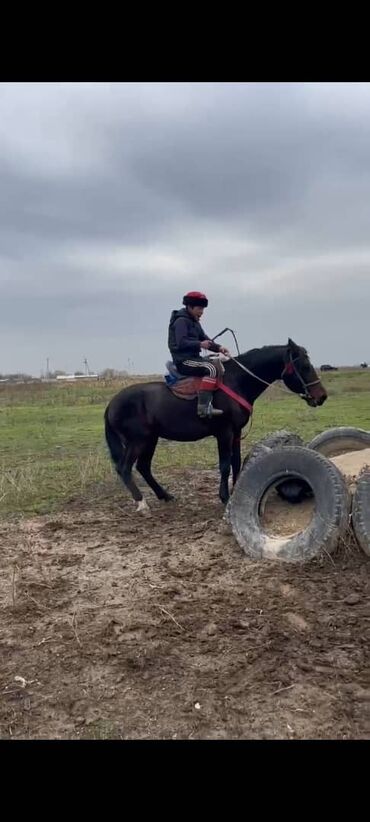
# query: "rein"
289,368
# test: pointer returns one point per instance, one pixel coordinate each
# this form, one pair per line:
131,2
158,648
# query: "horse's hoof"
224,527
143,507
169,498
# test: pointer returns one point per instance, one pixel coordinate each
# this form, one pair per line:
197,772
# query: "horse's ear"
292,345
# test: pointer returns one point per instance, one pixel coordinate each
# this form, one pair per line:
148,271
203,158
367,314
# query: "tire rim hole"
281,517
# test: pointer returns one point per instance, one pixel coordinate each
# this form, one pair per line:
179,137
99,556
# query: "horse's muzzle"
313,402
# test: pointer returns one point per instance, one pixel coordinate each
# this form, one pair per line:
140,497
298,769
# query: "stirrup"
209,411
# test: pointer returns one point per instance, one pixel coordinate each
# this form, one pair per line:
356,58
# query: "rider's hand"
205,343
225,351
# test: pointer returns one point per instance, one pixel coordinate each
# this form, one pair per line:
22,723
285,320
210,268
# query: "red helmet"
193,298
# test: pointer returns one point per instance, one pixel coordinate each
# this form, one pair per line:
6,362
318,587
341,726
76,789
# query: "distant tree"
111,374
19,377
79,373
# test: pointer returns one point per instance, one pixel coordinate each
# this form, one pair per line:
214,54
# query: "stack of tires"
298,471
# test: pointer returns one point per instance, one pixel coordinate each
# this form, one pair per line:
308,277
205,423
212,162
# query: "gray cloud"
117,198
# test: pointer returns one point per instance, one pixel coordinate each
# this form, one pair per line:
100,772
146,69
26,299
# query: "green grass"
52,442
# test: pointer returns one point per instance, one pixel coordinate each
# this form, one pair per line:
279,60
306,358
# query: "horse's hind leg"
144,467
125,471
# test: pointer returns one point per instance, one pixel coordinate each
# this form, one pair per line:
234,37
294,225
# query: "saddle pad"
186,389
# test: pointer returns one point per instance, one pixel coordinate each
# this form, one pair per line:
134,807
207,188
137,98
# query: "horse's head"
300,376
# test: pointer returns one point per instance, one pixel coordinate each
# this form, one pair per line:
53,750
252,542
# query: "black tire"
335,441
273,440
330,519
293,490
361,511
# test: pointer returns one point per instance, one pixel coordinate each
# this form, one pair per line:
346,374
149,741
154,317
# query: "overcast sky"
116,199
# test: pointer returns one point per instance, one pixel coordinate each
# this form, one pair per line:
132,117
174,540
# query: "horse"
138,415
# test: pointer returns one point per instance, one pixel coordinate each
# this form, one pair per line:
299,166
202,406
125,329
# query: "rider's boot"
205,408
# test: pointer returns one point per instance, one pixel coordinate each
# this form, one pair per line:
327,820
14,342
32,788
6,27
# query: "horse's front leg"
236,457
225,443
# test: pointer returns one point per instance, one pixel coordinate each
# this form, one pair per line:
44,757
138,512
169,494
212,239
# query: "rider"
185,340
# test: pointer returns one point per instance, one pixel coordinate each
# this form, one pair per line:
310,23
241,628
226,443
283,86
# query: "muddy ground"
118,626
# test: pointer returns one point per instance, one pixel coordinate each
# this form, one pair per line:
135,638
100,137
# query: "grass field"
52,443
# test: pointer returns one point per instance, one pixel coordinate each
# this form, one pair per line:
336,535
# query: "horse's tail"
116,447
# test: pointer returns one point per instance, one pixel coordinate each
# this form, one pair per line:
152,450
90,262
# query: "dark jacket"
185,336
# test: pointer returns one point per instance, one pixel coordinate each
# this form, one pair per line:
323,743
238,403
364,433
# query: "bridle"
288,369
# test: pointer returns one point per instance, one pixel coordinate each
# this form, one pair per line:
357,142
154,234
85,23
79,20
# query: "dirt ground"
115,625
351,463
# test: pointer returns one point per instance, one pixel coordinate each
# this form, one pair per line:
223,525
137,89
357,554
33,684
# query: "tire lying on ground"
273,440
292,490
330,517
361,511
335,441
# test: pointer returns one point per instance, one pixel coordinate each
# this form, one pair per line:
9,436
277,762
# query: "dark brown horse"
138,415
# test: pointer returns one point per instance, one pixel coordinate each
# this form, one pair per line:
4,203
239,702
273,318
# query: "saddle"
187,388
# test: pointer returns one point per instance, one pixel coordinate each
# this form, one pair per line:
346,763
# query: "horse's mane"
263,348
254,356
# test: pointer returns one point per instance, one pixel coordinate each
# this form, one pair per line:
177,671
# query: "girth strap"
235,396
